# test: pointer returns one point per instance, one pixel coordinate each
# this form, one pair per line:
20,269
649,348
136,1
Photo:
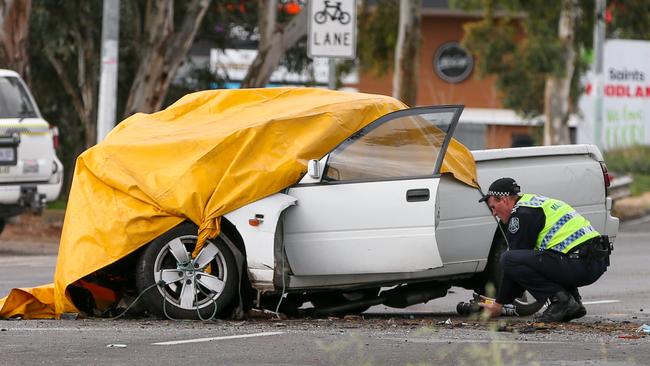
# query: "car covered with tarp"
275,198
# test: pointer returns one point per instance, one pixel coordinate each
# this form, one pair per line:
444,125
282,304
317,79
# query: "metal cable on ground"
165,308
214,302
135,301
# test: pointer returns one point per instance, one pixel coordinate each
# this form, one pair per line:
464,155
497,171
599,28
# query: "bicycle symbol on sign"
334,12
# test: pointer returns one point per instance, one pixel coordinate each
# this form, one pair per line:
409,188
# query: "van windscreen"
14,100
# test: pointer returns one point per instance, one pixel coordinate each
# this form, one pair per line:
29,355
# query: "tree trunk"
14,30
556,94
164,52
268,58
407,50
83,92
268,12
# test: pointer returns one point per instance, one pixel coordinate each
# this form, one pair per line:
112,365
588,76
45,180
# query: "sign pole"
599,39
332,74
108,72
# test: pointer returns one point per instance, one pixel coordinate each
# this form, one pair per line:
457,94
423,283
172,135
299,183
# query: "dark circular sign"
452,62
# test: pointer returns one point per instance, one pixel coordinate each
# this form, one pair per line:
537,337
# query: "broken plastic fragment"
645,328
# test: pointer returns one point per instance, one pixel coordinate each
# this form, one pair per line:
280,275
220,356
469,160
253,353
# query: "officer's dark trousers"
544,273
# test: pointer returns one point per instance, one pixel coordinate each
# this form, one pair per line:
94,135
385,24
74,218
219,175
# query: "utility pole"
599,40
108,76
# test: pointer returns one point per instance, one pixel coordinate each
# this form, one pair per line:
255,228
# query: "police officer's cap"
502,187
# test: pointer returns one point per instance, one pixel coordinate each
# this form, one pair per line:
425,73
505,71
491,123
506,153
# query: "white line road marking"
600,302
217,338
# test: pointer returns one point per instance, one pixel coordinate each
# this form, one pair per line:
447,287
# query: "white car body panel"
260,239
345,229
341,234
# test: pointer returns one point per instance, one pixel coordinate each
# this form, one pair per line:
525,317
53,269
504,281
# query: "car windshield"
14,100
406,144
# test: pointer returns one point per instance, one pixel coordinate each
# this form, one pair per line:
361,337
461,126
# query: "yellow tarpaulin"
206,155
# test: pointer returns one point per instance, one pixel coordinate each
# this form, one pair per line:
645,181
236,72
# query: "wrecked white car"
295,199
372,222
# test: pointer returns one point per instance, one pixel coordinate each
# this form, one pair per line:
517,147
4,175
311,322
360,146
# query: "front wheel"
186,287
525,304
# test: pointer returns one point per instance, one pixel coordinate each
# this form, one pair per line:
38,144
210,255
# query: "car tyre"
192,287
525,304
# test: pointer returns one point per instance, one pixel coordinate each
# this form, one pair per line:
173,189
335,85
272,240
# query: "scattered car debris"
630,336
645,328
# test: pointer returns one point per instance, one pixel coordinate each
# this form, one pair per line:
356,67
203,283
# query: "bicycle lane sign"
332,28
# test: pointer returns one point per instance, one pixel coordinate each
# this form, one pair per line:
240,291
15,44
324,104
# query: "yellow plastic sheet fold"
207,154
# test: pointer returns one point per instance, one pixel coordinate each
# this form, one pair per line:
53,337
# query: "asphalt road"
616,305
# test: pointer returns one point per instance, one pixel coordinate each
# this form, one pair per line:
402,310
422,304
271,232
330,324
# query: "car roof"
6,72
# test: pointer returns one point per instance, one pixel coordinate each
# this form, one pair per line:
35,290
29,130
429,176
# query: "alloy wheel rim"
190,283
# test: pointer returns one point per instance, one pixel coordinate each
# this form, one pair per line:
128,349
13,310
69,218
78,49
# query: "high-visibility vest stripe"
563,220
564,228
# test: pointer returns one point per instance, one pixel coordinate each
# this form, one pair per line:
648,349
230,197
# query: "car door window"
402,144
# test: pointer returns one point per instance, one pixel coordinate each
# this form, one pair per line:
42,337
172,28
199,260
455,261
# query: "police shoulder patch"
513,227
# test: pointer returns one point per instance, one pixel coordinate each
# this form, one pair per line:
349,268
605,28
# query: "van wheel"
2,225
198,288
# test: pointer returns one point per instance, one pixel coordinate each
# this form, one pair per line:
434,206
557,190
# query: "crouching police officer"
552,250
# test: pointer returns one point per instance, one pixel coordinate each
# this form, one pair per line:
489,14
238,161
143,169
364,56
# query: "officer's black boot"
581,312
563,306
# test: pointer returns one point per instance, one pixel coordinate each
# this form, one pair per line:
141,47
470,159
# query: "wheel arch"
246,290
492,271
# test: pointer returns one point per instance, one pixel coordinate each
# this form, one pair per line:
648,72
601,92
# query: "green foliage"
630,19
377,36
632,160
520,66
52,27
629,160
230,24
59,204
640,185
523,51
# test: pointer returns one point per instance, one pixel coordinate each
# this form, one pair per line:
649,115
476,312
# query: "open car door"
373,210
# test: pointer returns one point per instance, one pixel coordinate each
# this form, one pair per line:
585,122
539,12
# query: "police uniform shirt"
524,226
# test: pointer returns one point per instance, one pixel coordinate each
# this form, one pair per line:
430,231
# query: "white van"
30,173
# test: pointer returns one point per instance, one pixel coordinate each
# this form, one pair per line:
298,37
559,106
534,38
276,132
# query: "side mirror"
313,169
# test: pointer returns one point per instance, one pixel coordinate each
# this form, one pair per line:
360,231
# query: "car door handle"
417,195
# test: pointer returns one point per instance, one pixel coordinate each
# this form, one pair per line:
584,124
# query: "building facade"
447,76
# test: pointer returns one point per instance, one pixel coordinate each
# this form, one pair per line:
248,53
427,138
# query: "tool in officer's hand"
475,306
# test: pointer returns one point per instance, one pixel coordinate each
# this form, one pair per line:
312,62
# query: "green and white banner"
625,99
